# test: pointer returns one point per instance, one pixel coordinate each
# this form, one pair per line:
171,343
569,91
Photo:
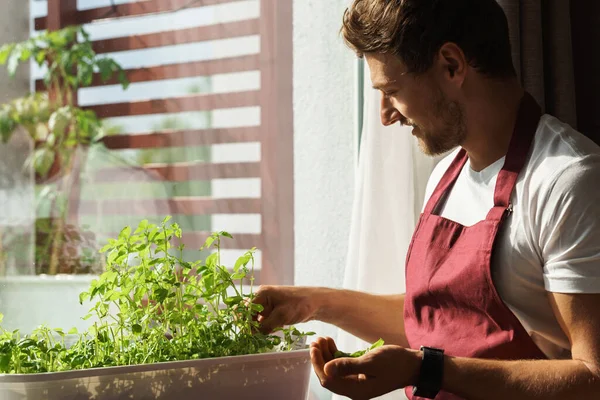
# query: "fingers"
364,377
274,314
347,385
332,347
264,299
281,307
276,319
324,346
318,362
328,348
322,352
346,367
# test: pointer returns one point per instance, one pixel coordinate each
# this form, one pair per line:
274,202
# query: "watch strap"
431,373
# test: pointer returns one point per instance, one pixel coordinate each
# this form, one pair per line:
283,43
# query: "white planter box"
271,376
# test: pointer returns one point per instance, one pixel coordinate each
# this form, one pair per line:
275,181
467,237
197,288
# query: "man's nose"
389,115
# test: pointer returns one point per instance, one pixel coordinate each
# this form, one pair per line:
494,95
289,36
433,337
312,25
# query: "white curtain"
391,178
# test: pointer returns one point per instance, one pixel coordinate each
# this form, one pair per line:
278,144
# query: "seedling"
360,353
152,306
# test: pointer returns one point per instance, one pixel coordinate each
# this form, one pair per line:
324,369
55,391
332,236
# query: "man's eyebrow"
381,86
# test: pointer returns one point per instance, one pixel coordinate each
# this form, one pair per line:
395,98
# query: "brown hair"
414,30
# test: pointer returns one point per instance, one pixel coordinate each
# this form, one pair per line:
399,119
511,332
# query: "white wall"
324,135
324,147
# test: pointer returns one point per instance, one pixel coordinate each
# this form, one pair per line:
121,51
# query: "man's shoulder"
558,143
562,160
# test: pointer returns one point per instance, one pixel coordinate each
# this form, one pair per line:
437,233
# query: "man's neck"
491,117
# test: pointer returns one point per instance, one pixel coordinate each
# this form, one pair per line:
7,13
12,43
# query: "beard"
438,141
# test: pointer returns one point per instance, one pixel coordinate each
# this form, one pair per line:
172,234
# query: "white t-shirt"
551,242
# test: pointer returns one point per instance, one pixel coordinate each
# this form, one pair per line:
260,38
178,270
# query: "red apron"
451,302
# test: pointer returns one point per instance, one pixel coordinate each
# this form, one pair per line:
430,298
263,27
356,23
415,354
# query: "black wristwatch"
431,373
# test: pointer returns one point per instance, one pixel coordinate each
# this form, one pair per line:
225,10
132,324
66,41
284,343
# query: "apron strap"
518,151
445,184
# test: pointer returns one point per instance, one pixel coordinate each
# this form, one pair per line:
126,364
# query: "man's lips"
414,127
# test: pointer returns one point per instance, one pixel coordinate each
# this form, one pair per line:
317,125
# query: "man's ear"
452,63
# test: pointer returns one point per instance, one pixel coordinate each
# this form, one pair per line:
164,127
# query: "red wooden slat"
138,8
193,240
172,206
198,137
191,69
244,241
181,36
60,13
173,71
178,104
182,172
277,139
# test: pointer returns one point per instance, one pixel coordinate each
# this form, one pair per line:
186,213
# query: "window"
203,133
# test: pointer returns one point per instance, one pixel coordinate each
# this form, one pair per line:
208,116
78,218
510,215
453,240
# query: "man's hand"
284,305
380,371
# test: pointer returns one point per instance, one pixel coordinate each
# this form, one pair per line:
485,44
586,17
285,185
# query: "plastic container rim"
125,369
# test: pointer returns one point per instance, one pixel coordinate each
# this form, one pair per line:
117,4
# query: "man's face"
417,101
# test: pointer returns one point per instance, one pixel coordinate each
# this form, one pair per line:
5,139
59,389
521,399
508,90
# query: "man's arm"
367,316
392,367
579,378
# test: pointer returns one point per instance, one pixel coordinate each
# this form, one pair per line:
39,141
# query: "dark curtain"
556,53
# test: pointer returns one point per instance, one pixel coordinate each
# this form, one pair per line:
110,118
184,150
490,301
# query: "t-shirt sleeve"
570,229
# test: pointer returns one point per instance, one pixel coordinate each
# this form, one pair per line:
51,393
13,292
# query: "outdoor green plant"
152,306
52,118
359,353
57,127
